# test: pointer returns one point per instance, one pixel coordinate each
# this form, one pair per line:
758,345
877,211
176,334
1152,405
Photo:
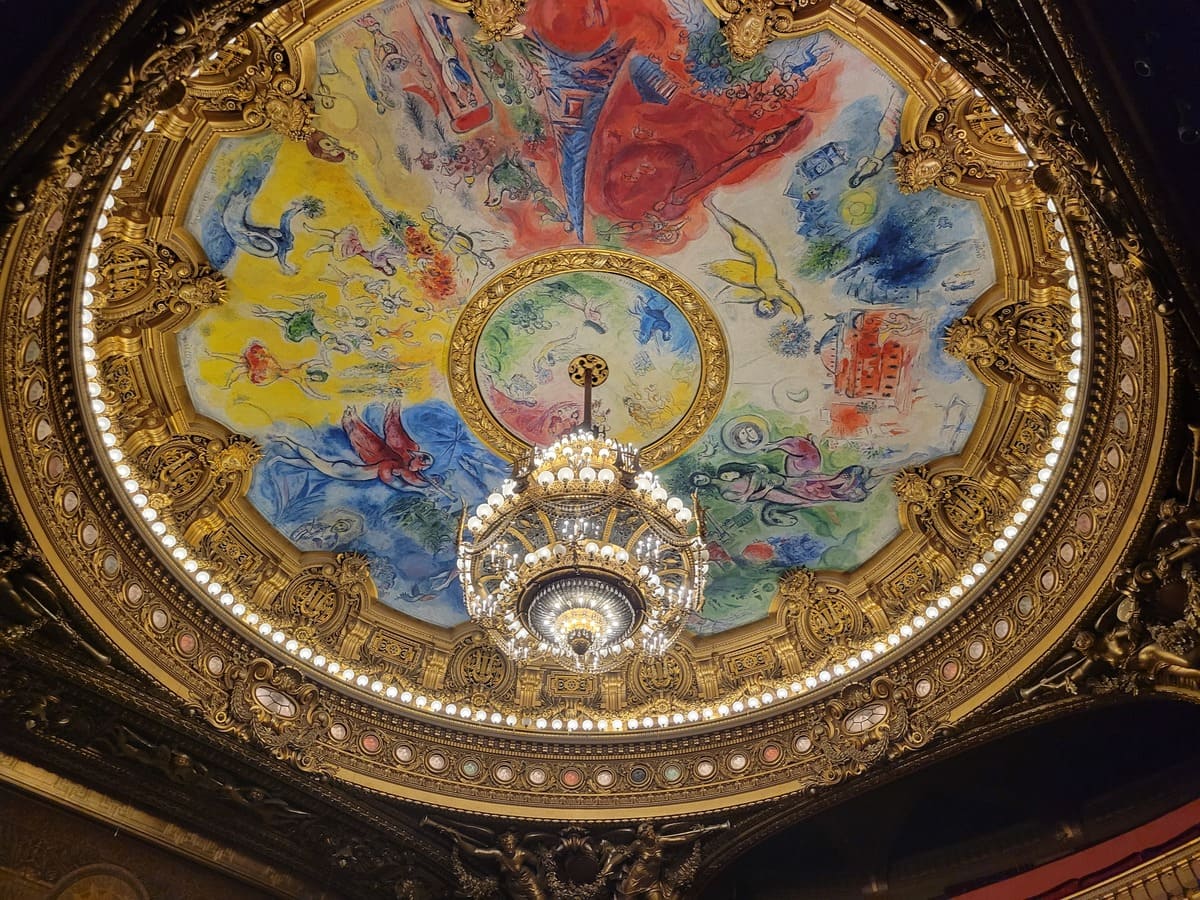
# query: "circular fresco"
664,347
649,345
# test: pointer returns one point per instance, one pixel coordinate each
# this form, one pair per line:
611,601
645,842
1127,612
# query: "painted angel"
393,457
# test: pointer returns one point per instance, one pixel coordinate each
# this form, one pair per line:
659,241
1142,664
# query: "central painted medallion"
524,326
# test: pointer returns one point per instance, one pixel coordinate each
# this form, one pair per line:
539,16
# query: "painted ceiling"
784,360
314,298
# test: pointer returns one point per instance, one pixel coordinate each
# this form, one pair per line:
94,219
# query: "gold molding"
710,338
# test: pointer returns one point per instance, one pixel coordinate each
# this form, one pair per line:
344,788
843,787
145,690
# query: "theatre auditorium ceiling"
296,298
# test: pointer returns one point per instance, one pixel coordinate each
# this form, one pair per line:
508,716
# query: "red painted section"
1098,863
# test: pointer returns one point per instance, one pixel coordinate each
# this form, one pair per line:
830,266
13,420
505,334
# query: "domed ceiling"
332,295
467,217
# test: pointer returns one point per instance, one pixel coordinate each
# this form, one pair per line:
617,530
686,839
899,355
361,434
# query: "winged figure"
518,871
394,458
593,315
756,276
554,352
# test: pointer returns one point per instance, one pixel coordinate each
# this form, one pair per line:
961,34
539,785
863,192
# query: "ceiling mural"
269,339
438,162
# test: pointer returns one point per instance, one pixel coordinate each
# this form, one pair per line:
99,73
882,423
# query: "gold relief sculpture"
752,24
497,19
125,382
29,603
747,31
189,469
1124,656
196,38
668,674
739,666
963,140
519,873
251,83
1027,437
393,652
864,725
913,585
956,511
988,127
641,863
276,707
1023,341
239,563
180,478
941,157
234,458
559,685
325,597
643,871
820,615
480,671
130,394
148,284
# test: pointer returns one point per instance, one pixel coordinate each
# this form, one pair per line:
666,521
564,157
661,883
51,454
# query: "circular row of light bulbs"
195,571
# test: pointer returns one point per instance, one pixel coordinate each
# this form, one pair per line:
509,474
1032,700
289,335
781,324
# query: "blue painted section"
578,88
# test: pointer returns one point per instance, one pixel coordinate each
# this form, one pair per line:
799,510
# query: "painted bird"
755,278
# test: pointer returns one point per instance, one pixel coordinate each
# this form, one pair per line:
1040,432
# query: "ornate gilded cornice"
95,574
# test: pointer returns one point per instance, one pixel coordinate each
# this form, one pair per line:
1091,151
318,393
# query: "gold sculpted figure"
1125,649
640,864
520,877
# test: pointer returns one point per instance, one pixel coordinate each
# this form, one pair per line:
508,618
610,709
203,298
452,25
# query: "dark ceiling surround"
1143,86
987,813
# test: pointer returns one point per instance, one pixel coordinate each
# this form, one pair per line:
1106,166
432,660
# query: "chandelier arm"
582,558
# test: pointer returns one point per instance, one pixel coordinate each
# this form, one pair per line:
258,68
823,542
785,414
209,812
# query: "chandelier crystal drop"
582,557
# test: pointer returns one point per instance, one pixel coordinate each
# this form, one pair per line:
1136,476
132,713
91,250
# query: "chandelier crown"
582,557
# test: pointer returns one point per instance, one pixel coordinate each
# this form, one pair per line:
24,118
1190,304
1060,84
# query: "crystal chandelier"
581,558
